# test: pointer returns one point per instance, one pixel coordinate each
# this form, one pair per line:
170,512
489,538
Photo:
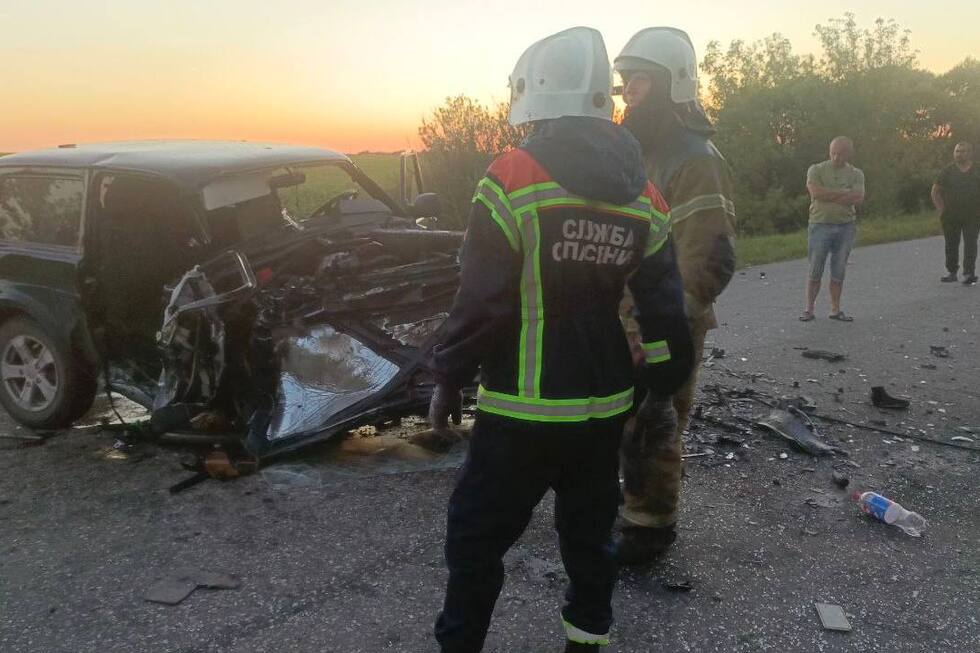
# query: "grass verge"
757,250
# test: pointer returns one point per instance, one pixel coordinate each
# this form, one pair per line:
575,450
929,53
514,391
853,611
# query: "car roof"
191,163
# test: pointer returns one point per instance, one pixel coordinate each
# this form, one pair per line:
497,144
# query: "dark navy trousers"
510,465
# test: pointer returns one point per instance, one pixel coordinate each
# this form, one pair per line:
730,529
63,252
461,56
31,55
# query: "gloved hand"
446,402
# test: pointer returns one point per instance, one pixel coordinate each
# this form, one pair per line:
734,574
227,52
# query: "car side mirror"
426,205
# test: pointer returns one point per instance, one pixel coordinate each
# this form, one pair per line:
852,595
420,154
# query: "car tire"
42,385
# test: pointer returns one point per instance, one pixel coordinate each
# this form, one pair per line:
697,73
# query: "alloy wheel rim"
28,373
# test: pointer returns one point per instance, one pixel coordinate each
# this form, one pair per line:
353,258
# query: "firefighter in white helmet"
556,228
659,72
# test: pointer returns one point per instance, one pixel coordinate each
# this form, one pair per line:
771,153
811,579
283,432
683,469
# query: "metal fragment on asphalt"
832,617
170,591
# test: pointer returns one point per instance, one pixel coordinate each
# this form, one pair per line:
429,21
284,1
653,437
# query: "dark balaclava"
648,119
653,119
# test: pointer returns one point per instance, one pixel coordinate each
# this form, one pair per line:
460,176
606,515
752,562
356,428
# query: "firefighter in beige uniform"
659,71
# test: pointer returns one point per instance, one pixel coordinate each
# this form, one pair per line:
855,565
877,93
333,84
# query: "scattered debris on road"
840,480
822,354
939,351
832,617
881,399
682,586
173,590
793,425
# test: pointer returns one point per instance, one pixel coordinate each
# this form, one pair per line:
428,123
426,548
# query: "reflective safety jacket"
544,269
697,183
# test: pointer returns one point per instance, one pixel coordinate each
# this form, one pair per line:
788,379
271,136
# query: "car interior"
144,240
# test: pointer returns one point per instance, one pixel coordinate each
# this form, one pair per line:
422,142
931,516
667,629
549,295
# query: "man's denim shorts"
834,239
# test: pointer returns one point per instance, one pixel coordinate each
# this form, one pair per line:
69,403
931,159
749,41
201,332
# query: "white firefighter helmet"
668,48
565,74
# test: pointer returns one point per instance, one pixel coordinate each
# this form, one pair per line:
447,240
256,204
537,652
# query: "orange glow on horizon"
351,76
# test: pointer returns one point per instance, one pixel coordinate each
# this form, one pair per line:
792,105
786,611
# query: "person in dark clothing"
659,70
956,195
556,228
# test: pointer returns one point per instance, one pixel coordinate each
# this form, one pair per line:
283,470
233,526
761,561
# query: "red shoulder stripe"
656,198
517,169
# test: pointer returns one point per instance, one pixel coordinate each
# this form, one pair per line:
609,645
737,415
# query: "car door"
47,363
41,227
142,237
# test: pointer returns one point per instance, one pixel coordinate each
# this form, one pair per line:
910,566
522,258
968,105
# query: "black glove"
666,378
446,402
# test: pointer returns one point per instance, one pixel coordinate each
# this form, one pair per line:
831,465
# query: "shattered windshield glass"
241,207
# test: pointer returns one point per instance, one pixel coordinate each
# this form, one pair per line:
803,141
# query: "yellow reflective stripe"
702,203
553,410
493,197
656,352
657,236
538,196
532,310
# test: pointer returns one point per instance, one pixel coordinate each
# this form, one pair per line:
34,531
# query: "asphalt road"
348,557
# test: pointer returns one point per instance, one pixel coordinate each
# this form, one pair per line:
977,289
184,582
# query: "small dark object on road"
683,586
730,440
832,617
175,589
796,384
881,399
170,591
189,482
939,351
716,352
822,354
762,275
840,480
927,366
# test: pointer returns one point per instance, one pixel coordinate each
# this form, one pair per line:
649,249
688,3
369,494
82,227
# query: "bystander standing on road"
956,195
836,188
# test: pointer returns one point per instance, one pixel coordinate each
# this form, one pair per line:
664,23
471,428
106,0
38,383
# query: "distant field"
384,169
756,250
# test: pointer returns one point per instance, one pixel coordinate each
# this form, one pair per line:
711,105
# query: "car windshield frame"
219,192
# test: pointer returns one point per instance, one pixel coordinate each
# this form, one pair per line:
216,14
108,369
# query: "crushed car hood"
301,335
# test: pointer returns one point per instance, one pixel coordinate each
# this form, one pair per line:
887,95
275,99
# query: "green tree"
776,112
849,49
461,138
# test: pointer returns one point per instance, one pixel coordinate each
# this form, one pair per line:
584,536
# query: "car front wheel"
41,386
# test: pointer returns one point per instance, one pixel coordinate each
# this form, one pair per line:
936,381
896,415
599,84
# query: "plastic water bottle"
886,510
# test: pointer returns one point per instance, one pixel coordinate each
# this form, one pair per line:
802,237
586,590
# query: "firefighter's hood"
590,157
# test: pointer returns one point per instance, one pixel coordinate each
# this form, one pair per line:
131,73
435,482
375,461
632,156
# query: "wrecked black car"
271,292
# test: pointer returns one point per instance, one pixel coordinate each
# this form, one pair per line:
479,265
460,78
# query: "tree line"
775,111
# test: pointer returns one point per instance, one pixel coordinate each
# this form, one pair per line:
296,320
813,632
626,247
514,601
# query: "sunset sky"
350,75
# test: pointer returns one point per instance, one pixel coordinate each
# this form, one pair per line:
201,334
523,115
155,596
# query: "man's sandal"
806,317
841,317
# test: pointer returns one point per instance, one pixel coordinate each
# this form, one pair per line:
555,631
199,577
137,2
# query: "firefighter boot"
639,546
